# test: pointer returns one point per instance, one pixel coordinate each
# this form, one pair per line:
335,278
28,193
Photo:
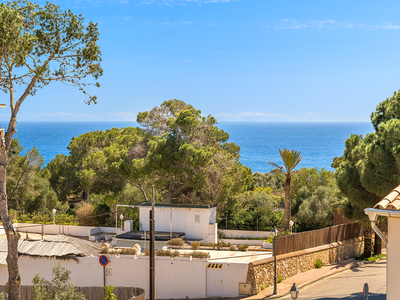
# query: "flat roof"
148,204
145,235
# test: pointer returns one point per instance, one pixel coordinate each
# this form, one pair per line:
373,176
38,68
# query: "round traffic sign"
365,291
103,260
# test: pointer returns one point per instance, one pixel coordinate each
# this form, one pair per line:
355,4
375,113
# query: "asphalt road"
349,284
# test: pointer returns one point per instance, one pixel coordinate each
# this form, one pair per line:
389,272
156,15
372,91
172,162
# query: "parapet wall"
261,273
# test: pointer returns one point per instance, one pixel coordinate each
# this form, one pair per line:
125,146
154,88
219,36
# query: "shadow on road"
355,296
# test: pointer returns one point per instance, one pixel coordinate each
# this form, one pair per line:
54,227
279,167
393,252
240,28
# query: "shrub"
195,245
198,254
232,248
58,288
167,252
176,242
280,279
242,247
108,293
85,213
318,263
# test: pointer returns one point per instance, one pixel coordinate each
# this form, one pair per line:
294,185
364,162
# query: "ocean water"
318,143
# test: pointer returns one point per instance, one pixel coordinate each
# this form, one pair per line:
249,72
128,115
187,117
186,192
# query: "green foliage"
245,209
108,293
43,44
290,158
374,257
59,288
28,187
318,263
280,279
316,211
370,165
192,157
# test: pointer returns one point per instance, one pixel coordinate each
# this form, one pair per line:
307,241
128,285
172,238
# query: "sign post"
103,260
365,291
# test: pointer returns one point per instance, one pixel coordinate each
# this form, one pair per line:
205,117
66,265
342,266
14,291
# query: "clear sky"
238,60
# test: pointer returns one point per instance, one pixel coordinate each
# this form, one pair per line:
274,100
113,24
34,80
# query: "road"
349,284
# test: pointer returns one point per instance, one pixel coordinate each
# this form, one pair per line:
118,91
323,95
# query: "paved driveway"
349,284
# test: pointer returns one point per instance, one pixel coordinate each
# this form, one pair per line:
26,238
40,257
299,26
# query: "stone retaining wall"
261,273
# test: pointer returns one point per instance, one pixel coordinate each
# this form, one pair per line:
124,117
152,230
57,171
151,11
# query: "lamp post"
54,216
294,291
275,234
121,217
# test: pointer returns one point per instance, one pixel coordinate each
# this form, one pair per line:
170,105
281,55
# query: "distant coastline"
318,142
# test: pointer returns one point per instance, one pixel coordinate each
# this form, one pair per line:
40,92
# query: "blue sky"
238,60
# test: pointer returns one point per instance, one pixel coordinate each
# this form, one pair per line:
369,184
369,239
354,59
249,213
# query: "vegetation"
373,257
60,287
167,252
369,167
318,263
108,293
176,242
39,45
290,160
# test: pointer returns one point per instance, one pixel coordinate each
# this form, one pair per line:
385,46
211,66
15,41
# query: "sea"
318,143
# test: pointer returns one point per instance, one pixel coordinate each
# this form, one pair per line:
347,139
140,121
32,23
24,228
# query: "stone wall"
261,273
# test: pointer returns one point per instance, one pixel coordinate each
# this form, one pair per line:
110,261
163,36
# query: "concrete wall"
244,233
191,221
177,278
261,272
393,260
72,230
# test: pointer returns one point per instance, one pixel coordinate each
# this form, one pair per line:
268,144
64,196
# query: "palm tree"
290,159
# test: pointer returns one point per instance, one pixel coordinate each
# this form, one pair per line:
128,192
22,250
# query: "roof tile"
391,201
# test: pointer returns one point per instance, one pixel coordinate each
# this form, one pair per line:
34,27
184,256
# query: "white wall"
62,229
179,278
245,233
393,260
183,220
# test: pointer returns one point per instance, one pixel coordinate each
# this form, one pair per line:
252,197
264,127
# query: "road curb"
303,285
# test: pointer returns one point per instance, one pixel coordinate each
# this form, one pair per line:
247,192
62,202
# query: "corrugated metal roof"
391,201
54,246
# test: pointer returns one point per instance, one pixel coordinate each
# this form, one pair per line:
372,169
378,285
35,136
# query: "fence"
315,238
92,292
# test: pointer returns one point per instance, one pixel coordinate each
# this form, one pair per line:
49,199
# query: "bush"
232,248
85,213
195,245
198,254
242,247
280,279
61,286
176,242
167,252
318,263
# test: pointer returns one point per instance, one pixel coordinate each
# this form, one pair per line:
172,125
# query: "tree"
370,165
39,45
290,160
59,288
191,157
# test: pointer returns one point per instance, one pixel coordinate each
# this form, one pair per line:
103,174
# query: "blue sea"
318,143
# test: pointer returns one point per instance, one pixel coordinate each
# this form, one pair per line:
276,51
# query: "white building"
194,222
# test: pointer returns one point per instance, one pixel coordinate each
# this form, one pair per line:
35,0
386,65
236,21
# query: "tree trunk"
378,245
287,208
170,189
367,242
14,278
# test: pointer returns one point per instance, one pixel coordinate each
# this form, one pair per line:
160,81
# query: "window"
197,218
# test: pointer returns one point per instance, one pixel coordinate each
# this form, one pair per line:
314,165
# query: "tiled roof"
391,201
